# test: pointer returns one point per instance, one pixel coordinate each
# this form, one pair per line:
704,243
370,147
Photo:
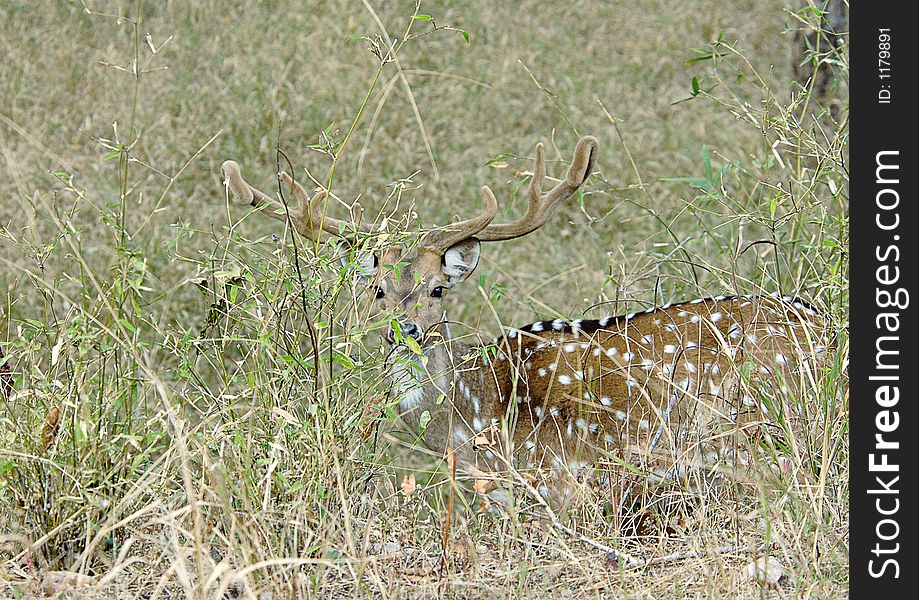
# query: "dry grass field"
162,431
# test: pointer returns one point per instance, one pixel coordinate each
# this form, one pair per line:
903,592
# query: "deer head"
442,258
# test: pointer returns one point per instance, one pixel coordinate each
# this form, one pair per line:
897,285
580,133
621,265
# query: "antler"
541,205
307,217
440,240
538,212
310,222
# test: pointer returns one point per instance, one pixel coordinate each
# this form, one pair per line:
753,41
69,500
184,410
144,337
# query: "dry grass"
203,448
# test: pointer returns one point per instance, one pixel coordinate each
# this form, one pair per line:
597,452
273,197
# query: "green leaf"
422,17
396,330
500,161
412,345
343,360
696,182
707,164
423,422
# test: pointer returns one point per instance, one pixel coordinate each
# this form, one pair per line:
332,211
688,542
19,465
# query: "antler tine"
302,215
307,216
312,219
245,193
439,240
541,205
336,227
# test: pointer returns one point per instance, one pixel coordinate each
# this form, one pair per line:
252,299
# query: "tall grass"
202,410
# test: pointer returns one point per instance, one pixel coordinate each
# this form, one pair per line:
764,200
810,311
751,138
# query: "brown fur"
627,390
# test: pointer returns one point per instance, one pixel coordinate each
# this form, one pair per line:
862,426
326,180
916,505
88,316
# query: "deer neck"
440,395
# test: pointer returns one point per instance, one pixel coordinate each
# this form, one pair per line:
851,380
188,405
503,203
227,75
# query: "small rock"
767,570
387,548
55,582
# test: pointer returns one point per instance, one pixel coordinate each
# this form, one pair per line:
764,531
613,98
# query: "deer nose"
407,330
410,330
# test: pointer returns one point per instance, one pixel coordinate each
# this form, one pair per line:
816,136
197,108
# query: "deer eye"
437,292
379,293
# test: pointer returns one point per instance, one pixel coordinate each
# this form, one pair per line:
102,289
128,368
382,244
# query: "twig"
451,464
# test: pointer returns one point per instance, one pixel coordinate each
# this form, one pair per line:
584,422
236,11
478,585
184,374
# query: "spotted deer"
676,382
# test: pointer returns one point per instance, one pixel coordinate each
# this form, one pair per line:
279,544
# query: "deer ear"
460,260
362,264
